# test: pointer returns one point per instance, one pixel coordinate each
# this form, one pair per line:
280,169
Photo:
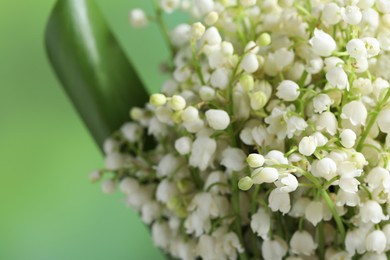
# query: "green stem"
335,214
372,121
163,28
196,64
321,240
236,207
255,193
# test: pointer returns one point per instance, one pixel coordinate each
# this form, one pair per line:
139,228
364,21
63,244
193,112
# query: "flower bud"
212,36
247,82
288,90
348,138
249,63
356,49
245,183
217,119
136,113
206,93
177,102
352,15
264,39
108,186
94,176
197,30
183,145
211,18
307,145
158,100
322,43
267,175
138,18
258,100
190,114
255,160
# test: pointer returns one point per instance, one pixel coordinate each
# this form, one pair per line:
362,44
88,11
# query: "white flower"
295,126
217,119
129,186
274,249
360,65
206,93
204,6
355,112
331,14
327,121
249,63
138,18
216,177
302,243
356,48
383,120
233,159
325,168
183,145
169,5
166,190
114,161
355,241
321,103
287,183
167,165
220,78
376,241
337,78
299,207
190,114
348,138
202,152
161,234
322,43
347,198
150,212
372,46
157,99
383,6
378,177
131,131
108,186
247,3
352,15
371,211
288,90
275,157
206,247
307,145
279,201
267,175
261,223
314,212
321,139
181,35
212,36
94,176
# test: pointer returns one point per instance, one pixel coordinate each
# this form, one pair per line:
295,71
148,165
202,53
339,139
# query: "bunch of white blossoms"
271,139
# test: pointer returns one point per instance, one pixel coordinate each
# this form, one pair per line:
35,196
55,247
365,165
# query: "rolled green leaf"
92,67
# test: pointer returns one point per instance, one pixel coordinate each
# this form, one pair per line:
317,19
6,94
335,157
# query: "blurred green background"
49,210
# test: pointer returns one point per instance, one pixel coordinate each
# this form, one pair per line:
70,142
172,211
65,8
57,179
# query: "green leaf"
92,67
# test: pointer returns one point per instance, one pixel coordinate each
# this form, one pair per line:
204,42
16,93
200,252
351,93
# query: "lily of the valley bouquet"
270,139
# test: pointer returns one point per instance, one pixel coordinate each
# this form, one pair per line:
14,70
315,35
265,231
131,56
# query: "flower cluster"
271,138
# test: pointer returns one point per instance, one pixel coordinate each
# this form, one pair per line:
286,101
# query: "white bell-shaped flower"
249,63
287,183
161,234
371,211
108,186
167,165
220,78
321,103
202,152
288,90
302,243
355,241
138,18
383,121
261,223
279,201
212,36
355,112
352,14
183,145
314,212
322,43
372,46
376,241
331,14
325,168
337,78
356,48
327,121
299,207
233,159
348,138
307,145
218,119
274,249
